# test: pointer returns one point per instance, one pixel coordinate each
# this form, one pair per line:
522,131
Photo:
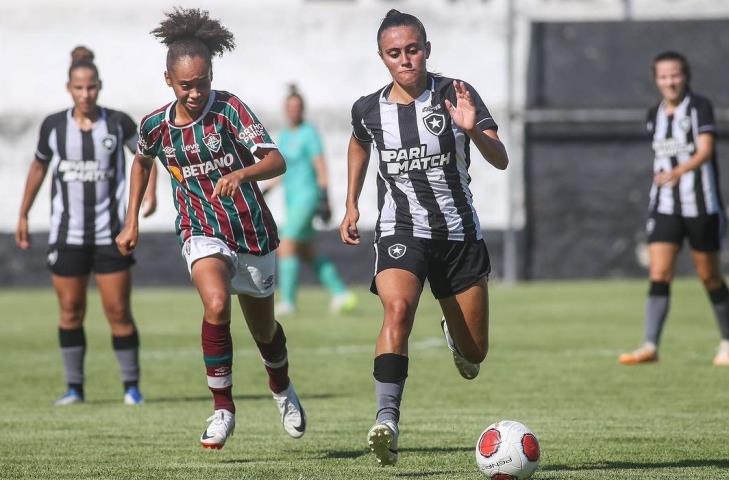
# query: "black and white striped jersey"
88,172
674,142
422,181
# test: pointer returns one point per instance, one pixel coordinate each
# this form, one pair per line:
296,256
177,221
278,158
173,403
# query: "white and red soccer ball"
507,450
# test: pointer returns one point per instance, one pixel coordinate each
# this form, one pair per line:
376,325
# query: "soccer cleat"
283,309
71,397
722,355
646,353
468,370
132,396
292,413
382,440
221,426
343,303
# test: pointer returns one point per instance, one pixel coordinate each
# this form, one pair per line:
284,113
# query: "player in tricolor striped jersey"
215,150
685,202
421,126
83,148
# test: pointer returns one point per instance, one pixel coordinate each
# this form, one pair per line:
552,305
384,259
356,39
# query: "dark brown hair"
190,32
82,57
395,18
294,93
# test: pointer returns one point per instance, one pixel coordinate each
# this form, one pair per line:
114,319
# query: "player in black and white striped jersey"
421,126
685,202
83,147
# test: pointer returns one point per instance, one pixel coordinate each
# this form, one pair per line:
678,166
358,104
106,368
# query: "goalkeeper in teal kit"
305,192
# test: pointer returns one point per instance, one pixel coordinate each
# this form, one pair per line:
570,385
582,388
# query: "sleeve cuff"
367,140
256,146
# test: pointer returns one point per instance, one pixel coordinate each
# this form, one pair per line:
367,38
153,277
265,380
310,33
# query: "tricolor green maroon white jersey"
222,139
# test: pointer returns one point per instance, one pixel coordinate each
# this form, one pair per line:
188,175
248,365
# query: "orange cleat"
644,354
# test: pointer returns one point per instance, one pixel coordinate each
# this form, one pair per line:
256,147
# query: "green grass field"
552,365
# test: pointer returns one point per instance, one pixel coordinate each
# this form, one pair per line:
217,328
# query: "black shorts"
77,260
450,266
704,232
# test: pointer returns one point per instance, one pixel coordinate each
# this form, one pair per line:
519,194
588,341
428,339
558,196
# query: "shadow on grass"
339,454
686,463
207,398
428,473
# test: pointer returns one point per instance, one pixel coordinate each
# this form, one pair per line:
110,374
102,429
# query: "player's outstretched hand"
126,241
463,113
348,228
227,185
22,237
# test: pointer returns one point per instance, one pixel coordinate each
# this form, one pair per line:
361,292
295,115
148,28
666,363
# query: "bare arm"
490,146
358,156
149,204
139,177
704,151
271,165
36,174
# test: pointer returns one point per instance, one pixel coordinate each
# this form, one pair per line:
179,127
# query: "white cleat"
343,303
292,413
132,396
221,426
722,355
283,309
468,370
382,440
71,397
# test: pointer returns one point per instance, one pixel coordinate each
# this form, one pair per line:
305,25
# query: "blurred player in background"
685,202
305,191
215,150
83,147
421,125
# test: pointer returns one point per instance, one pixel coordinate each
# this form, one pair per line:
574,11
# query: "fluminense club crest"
212,141
435,123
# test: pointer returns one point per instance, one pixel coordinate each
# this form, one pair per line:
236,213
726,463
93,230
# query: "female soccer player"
305,186
421,126
84,148
215,150
684,202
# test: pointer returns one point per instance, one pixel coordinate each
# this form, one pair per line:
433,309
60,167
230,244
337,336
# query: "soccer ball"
507,450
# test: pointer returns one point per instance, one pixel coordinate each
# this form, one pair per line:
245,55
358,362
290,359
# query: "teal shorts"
299,220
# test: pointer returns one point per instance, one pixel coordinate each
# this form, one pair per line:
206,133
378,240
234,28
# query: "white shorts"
250,274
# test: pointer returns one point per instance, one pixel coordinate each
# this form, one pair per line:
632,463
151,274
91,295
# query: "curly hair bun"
82,54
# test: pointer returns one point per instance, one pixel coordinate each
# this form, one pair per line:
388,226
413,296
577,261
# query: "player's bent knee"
217,309
398,309
118,313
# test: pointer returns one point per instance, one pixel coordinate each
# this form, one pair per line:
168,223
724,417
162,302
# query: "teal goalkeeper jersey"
221,140
299,146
